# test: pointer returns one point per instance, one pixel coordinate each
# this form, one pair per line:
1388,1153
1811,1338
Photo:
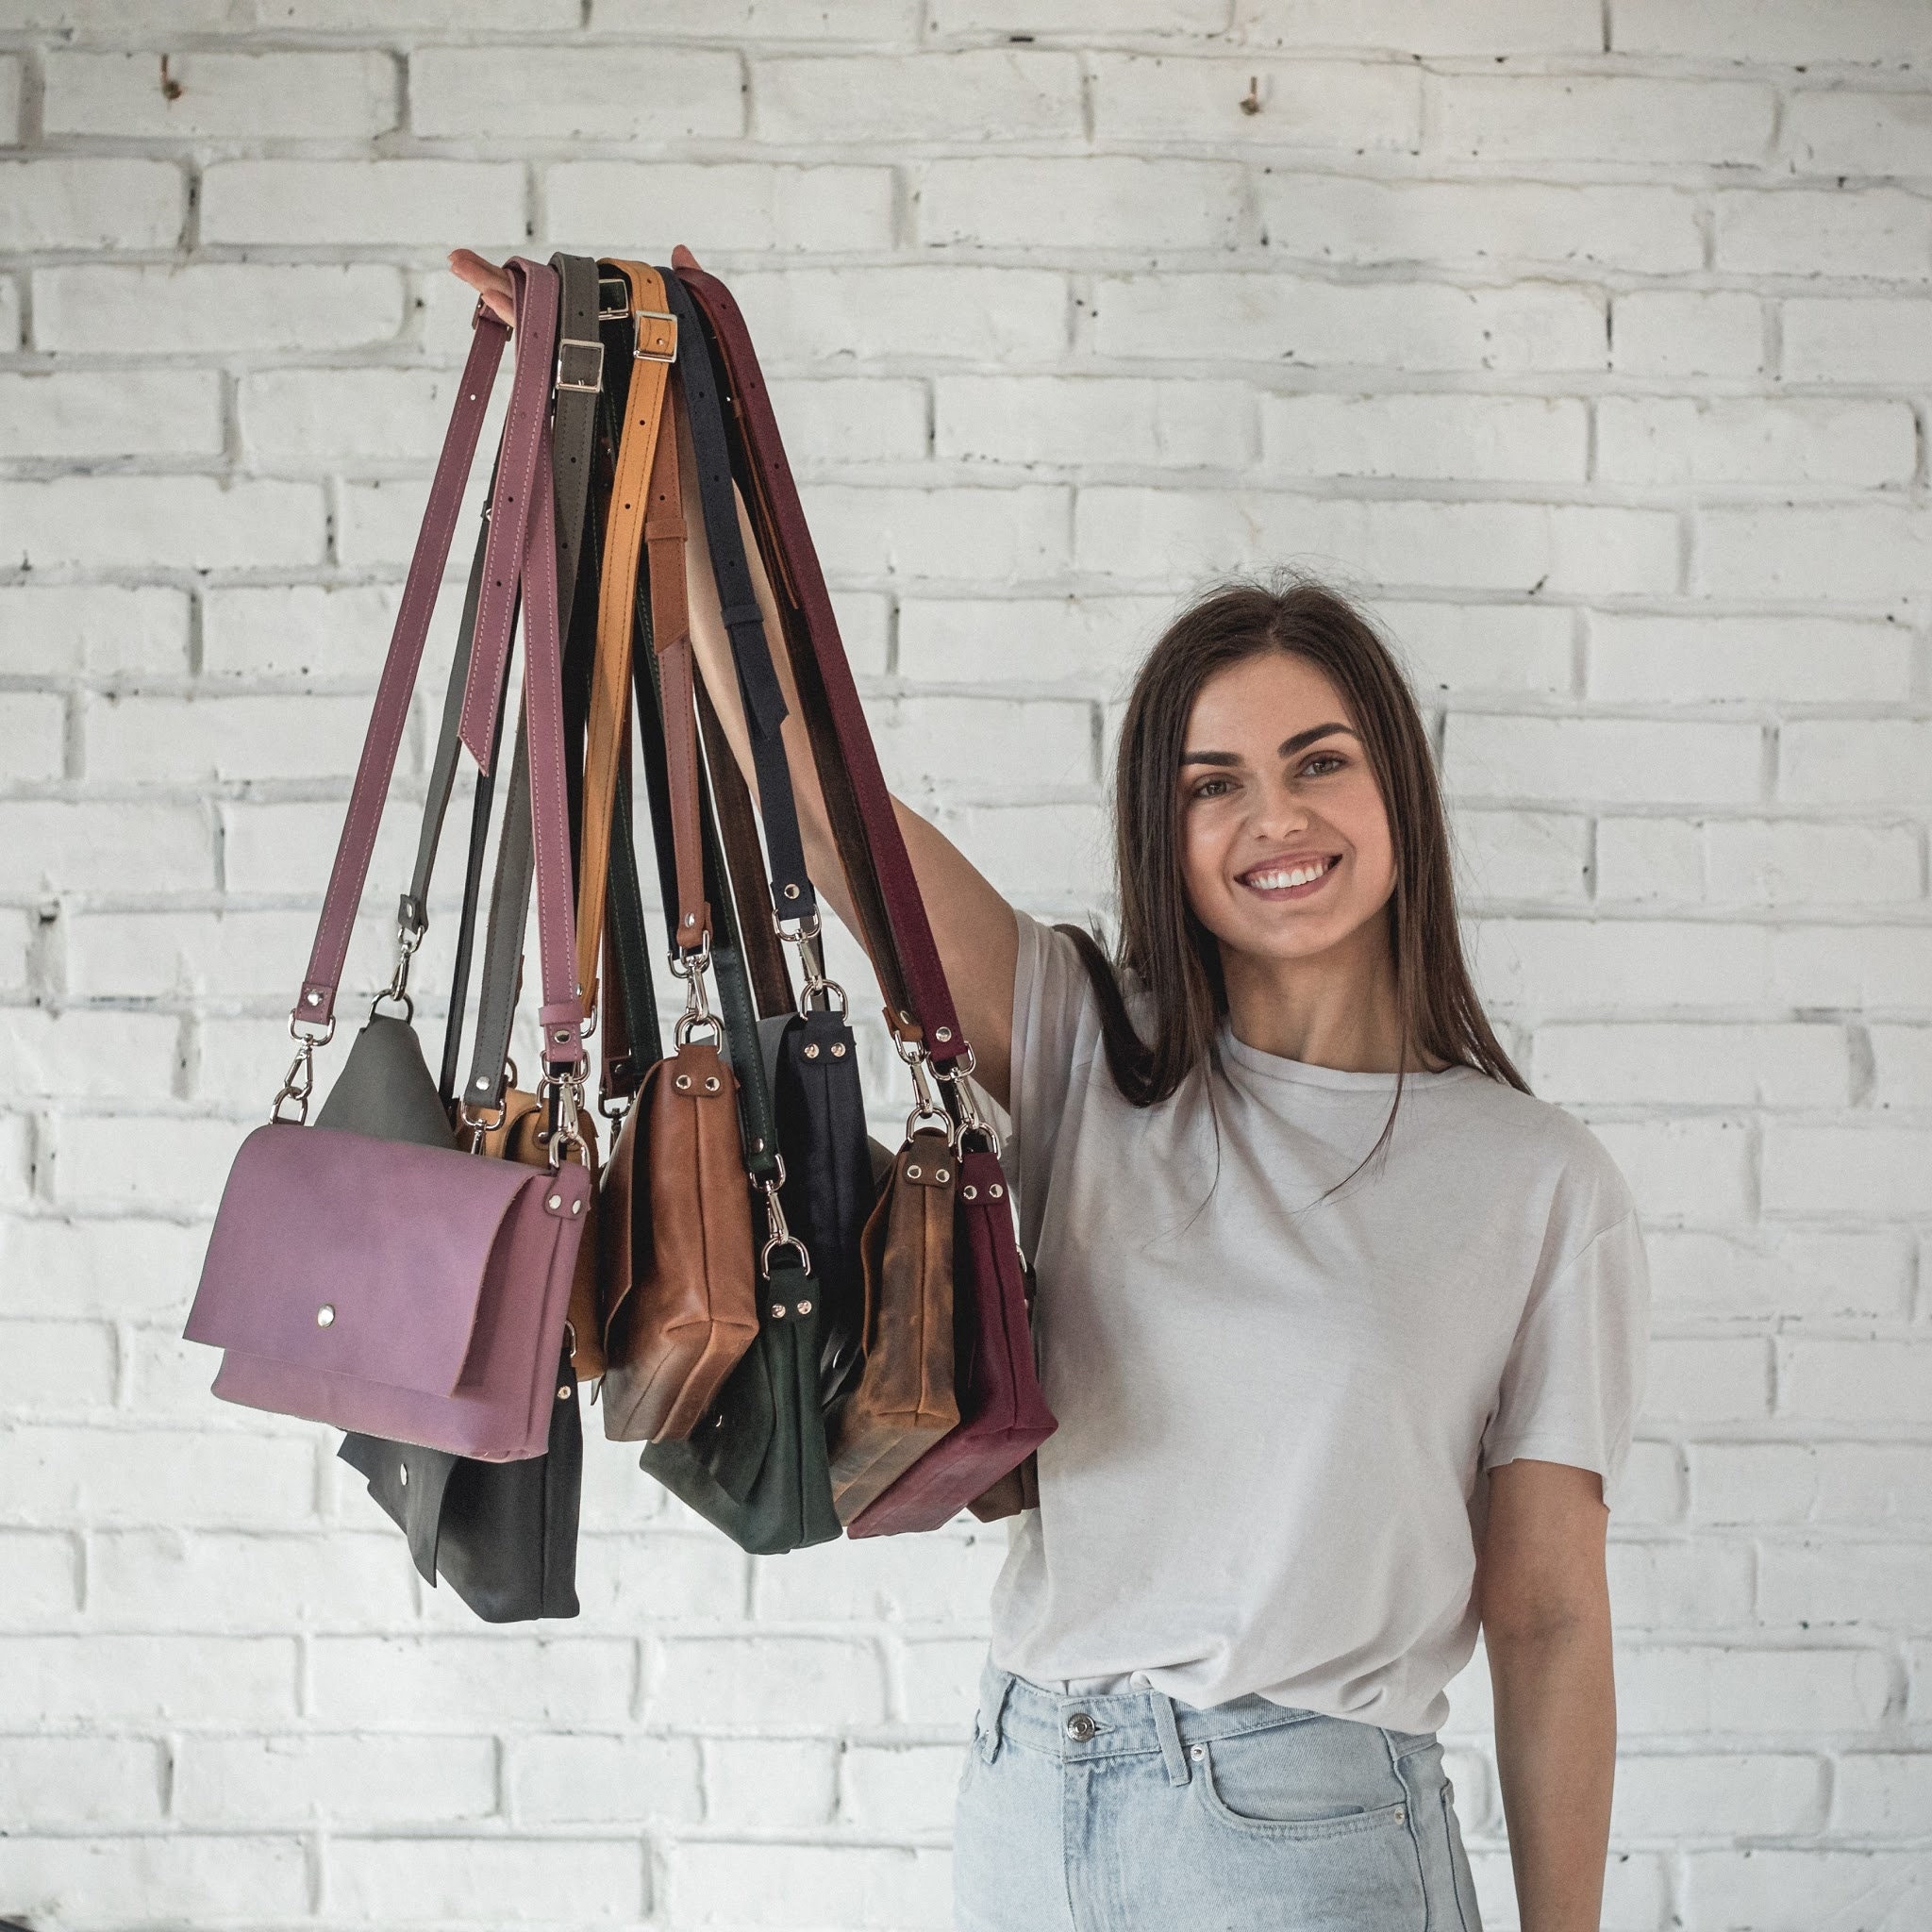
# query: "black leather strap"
758,679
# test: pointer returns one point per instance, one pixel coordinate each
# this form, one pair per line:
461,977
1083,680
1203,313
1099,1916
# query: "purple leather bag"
410,1292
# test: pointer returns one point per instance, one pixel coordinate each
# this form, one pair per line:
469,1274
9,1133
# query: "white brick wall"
1591,339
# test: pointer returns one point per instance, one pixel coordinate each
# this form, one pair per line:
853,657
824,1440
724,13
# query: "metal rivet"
576,1206
904,1018
811,1053
555,1202
997,1191
483,1083
792,892
912,1172
314,999
690,919
938,1173
804,1307
325,1315
1197,1751
971,1192
563,1392
403,1474
838,1049
561,1035
777,1311
712,1083
943,1033
684,1082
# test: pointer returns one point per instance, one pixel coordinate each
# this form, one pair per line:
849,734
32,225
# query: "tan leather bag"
679,1314
518,1136
906,1399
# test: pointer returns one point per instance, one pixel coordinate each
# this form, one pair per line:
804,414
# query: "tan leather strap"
664,535
654,351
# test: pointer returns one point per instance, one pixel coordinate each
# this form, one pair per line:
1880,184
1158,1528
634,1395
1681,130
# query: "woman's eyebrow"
1288,749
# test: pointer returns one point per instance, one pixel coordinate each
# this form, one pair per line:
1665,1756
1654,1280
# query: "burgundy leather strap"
926,1010
532,527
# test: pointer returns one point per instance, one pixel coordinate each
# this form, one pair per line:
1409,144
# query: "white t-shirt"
1274,1416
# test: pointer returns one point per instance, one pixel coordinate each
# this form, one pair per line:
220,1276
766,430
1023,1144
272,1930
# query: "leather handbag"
1004,1415
678,1276
411,1291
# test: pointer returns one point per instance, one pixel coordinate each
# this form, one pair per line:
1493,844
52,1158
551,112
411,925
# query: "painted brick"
1766,659
1902,1066
403,1680
1874,1585
57,1474
608,94
1881,234
1502,438
900,1789
1707,1688
1680,1585
121,1161
181,1679
1587,118
1417,26
846,20
1772,32
42,1575
1097,420
934,1583
101,629
1830,1483
216,1581
1684,1170
1173,17
175,739
54,845
770,1784
1812,965
1481,648
975,745
173,521
284,96
1092,644
1522,855
1344,219
79,202
997,535
974,94
357,1778
1880,340
9,100
122,1269
1693,1065
33,731
1107,202
121,1880
855,420
363,202
1774,1889
814,316
1818,762
1858,131
1856,1382
1273,319
1038,855
211,306
65,1782
383,1881
731,1682
1707,1380
1649,441
1793,1273
1621,759
111,414
362,416
1304,104
589,1778
1669,332
1881,1794
800,1886
86,1055
1872,553
740,207
1758,1792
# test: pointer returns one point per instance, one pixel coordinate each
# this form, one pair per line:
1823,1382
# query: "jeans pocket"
1258,1783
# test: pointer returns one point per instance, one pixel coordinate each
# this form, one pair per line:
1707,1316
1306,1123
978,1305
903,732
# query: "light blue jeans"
1132,1813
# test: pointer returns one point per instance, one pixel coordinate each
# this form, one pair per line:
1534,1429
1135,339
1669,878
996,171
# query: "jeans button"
1080,1727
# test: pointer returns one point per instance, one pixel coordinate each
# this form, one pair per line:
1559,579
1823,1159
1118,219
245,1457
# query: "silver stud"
811,1053
912,1170
943,1033
555,1202
904,1018
563,1392
690,919
325,1315
684,1082
997,1191
838,1049
971,1192
939,1173
314,999
804,1307
792,892
777,1311
561,1035
483,1083
403,1474
576,1206
1197,1751
712,1083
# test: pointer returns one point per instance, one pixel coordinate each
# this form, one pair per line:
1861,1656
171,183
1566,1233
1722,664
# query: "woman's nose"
1279,814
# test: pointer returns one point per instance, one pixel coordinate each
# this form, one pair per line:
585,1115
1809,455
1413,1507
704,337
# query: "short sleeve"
1056,1028
1574,1375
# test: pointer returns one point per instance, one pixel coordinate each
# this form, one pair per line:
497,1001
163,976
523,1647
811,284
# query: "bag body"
679,1274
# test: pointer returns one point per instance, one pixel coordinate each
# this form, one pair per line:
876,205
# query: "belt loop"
992,1714
1169,1734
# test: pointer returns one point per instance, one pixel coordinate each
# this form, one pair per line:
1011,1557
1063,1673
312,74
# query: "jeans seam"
1454,1876
1396,1763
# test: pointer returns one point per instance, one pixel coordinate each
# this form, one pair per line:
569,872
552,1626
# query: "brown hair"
1174,956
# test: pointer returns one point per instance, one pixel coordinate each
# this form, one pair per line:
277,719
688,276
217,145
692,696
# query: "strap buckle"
613,305
590,352
641,354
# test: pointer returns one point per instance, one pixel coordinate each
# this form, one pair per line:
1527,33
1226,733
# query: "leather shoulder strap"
922,1008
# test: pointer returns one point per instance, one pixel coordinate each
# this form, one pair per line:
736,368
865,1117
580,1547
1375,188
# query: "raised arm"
972,925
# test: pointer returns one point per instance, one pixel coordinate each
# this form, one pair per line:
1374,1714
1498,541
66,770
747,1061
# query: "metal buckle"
613,307
595,349
643,355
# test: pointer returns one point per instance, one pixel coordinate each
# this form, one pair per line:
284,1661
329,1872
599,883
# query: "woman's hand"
491,282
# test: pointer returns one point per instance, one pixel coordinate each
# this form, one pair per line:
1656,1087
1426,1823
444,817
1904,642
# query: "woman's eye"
1332,760
1210,788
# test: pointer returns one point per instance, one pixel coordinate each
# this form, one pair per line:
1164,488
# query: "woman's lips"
1271,881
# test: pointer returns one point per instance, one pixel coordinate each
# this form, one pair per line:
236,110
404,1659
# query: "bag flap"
355,1257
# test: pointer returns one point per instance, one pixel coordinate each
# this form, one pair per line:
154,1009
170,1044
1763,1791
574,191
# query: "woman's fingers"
491,282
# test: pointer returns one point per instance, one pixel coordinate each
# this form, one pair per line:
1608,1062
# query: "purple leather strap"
523,523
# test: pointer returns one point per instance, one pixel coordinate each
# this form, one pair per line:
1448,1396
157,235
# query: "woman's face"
1284,845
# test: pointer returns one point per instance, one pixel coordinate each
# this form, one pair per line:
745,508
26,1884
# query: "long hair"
1174,958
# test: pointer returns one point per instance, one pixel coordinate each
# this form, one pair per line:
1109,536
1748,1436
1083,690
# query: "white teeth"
1295,875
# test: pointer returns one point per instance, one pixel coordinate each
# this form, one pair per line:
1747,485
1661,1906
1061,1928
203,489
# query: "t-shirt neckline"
1273,1066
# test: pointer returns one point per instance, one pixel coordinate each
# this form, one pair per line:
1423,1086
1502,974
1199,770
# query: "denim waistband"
1117,1724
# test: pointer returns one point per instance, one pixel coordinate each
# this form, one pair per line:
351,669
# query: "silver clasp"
781,1235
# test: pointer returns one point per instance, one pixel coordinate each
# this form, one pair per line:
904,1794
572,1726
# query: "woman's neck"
1336,1009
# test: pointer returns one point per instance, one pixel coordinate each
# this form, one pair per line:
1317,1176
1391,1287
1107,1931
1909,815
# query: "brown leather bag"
906,1400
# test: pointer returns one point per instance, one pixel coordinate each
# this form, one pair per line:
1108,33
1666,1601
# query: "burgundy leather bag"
1002,1413
415,1292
